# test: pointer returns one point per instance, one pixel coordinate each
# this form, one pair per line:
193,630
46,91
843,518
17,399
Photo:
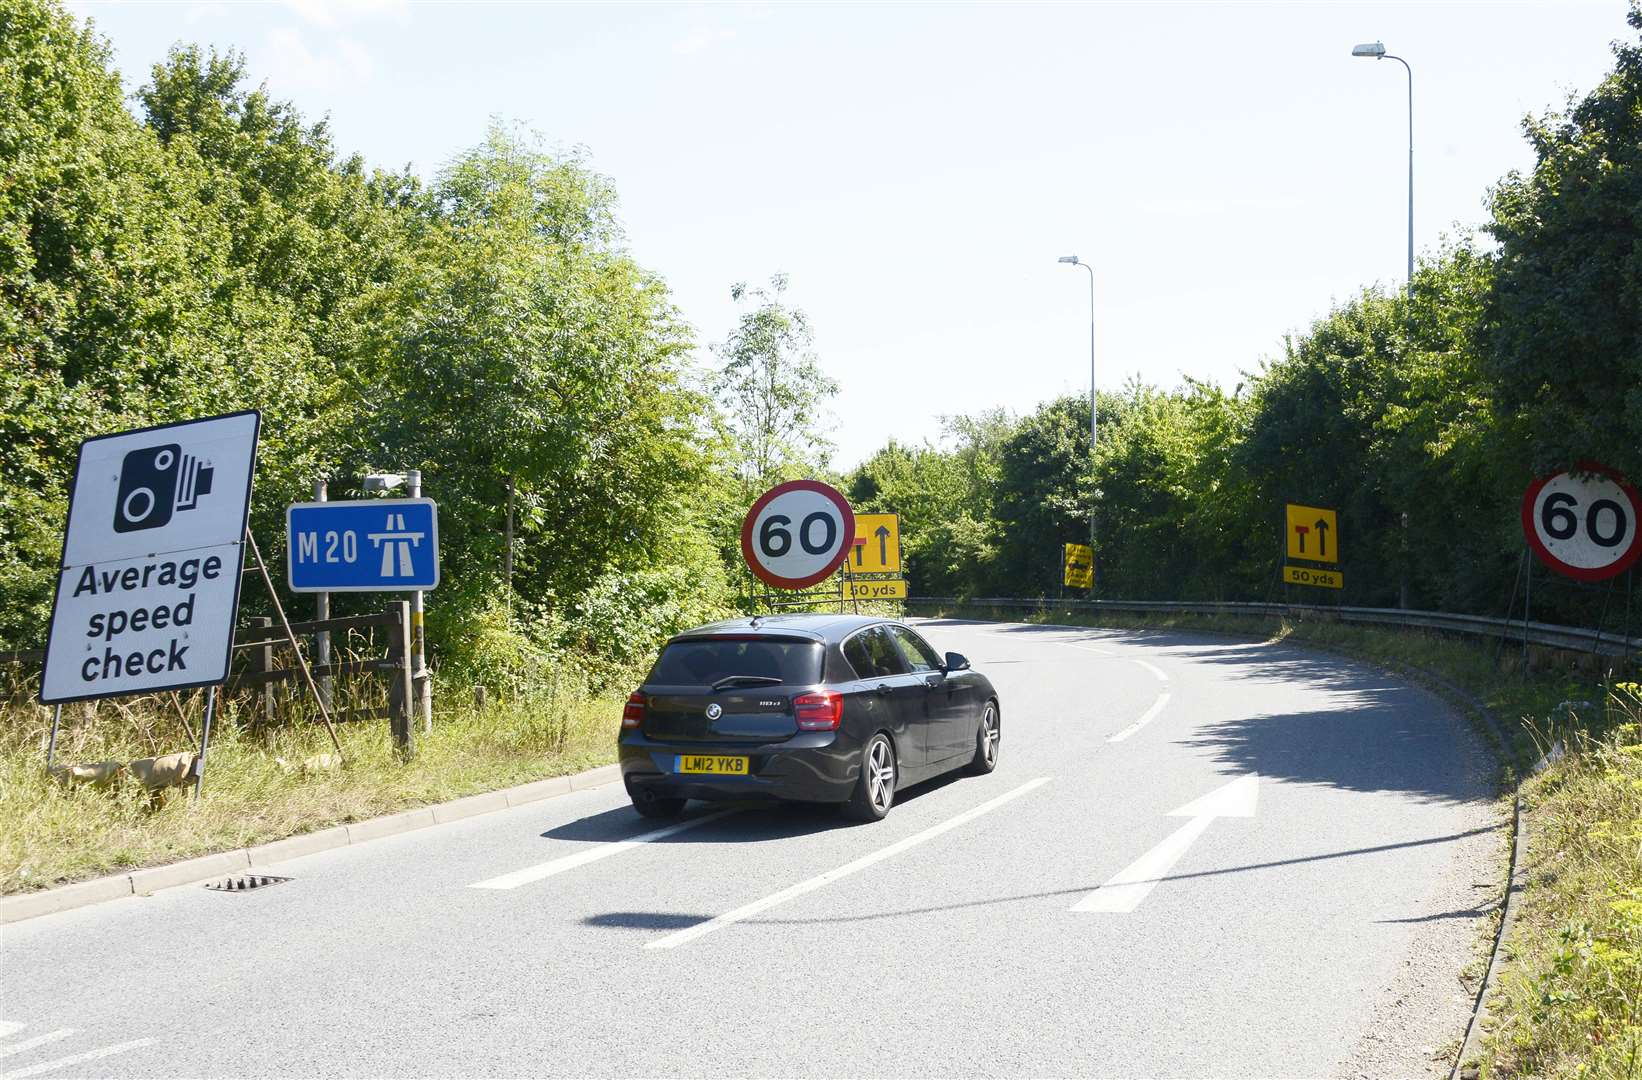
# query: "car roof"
820,626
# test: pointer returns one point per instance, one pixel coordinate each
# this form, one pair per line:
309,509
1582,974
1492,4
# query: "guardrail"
1508,631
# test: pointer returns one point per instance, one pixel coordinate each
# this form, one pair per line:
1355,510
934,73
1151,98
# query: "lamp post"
1075,261
1376,50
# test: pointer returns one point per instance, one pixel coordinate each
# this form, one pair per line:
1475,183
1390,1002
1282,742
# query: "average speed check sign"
1583,522
797,534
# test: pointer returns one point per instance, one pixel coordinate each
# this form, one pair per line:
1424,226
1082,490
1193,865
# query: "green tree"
772,388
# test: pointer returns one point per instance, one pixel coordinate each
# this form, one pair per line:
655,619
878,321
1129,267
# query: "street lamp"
1375,50
1075,261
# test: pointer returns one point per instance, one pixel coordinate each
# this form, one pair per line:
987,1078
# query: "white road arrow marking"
1134,882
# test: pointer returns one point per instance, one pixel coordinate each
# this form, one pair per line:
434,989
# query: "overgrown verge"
263,784
1569,997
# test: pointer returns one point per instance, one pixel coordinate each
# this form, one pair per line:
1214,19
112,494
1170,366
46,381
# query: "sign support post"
322,611
205,739
51,746
419,668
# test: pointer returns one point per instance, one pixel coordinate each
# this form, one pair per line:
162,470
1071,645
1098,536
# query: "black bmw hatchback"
818,708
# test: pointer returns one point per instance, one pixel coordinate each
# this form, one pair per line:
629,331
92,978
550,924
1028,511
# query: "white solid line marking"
9,1028
1145,718
1132,884
65,1062
38,1040
594,854
1162,676
689,934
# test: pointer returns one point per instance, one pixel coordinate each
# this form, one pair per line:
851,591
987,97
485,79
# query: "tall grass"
1570,1003
256,785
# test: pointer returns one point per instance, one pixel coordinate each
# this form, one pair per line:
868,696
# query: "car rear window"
704,661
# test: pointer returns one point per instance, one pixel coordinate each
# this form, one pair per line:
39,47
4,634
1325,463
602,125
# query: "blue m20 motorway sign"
373,545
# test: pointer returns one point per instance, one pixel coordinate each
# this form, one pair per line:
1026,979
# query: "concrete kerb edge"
14,909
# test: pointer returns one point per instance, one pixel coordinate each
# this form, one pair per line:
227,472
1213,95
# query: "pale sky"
1229,169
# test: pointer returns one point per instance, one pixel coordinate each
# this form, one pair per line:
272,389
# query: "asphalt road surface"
1197,857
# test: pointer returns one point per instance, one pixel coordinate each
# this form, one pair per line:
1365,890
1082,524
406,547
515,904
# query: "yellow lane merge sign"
877,544
1079,565
1305,575
875,590
1313,534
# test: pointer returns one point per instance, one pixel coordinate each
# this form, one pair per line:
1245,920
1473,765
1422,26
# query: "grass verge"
1569,997
257,788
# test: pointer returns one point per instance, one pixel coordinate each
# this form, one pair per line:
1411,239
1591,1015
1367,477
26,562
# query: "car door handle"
932,682
885,688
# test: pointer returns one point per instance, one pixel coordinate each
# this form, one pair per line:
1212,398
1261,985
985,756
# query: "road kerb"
50,901
535,792
392,825
294,847
22,906
458,809
144,882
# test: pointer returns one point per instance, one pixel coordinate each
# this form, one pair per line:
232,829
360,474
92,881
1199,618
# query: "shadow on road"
1082,890
753,822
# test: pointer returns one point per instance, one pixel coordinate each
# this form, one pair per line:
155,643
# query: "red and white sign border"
847,531
1580,573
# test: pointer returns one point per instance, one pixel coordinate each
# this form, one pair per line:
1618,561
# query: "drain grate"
245,882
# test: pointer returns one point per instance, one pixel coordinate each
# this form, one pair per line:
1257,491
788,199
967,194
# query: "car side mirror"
957,662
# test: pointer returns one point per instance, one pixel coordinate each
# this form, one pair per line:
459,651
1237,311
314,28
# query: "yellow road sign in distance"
1312,534
877,544
1321,579
1079,564
895,589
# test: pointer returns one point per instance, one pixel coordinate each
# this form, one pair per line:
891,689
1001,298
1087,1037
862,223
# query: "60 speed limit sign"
1583,522
797,533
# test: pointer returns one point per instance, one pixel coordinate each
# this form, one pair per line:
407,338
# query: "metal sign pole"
419,669
322,611
205,739
51,746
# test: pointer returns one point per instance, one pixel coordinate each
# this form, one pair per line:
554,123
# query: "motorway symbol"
367,545
876,589
877,548
1078,566
148,586
797,533
1313,533
1306,575
1135,882
1584,522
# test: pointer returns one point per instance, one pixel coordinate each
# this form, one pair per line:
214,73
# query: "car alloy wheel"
880,774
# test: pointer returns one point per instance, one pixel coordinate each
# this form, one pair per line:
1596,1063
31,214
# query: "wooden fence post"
401,690
262,662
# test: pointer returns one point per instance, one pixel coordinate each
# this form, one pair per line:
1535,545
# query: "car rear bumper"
809,767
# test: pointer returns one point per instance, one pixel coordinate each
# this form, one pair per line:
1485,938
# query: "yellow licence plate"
718,764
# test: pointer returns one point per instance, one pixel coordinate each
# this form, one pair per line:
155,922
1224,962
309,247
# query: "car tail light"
818,711
632,715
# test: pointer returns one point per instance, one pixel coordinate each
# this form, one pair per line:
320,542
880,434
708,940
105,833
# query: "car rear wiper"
746,680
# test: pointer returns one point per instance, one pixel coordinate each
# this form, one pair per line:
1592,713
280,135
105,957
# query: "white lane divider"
1145,718
75,1059
39,1040
746,911
1135,882
593,854
1162,676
